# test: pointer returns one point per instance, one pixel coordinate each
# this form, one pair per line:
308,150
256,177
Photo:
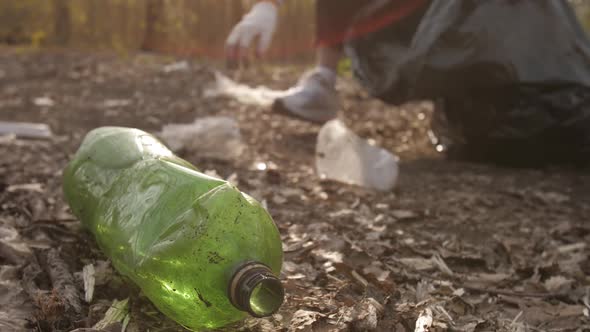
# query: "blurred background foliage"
582,8
179,27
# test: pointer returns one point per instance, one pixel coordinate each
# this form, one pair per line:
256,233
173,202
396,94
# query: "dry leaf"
12,246
489,278
418,263
366,315
304,318
43,102
571,247
551,197
103,272
557,283
403,214
15,305
278,199
326,255
258,325
424,321
423,290
376,270
110,103
117,313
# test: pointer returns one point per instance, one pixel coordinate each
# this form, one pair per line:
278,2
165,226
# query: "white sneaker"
313,99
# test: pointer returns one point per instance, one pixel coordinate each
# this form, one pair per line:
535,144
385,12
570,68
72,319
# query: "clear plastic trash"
343,156
25,129
244,94
215,137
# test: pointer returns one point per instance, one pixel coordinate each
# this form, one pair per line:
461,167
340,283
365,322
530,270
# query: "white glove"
260,22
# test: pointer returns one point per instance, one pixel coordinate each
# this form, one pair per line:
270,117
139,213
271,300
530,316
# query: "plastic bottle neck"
256,290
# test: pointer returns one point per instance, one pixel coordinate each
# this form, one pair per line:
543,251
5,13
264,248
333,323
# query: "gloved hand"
259,23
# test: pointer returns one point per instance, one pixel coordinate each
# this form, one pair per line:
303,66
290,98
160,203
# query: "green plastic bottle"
203,252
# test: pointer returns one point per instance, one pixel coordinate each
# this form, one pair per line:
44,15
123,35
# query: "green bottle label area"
180,235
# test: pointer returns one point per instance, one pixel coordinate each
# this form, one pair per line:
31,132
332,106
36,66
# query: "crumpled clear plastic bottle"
343,156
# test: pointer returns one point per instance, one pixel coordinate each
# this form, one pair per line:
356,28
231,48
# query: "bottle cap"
256,290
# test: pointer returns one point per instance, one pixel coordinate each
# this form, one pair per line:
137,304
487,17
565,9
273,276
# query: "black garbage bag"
512,76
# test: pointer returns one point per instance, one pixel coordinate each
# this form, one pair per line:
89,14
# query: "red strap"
372,24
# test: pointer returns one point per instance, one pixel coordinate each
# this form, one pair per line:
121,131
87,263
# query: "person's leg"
314,98
327,62
329,57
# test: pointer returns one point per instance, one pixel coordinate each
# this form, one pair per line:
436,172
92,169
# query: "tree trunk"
62,22
152,17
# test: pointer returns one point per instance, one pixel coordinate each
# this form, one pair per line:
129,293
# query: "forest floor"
479,247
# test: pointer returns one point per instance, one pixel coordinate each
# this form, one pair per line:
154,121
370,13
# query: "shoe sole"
279,107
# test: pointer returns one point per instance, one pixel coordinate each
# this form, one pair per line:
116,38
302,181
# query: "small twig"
442,266
442,309
329,276
49,226
63,281
360,279
55,220
517,317
30,272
